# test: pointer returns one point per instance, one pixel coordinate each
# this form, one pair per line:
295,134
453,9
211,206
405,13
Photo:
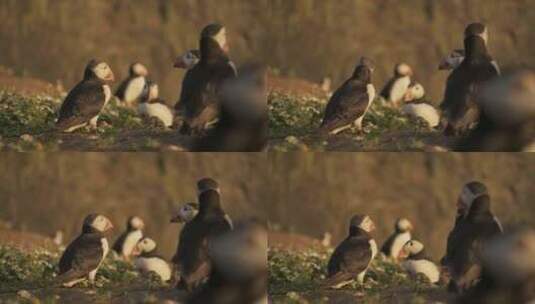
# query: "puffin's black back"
352,255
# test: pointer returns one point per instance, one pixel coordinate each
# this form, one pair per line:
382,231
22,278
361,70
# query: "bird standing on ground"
86,100
402,234
128,240
415,261
148,260
397,87
135,87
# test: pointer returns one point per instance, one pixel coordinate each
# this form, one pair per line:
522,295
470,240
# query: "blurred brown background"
45,192
318,193
54,39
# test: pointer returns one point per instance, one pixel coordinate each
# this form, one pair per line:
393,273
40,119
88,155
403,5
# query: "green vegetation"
295,277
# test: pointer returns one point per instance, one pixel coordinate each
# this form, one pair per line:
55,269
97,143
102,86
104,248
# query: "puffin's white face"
465,201
367,224
145,245
190,60
485,35
403,69
186,213
415,92
137,223
452,61
404,225
412,247
154,91
221,39
104,72
101,223
140,70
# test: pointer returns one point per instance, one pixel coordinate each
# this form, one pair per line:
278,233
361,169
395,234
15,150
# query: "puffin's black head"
137,69
210,203
207,183
98,70
361,222
134,223
470,192
214,38
477,29
96,223
480,206
475,48
403,225
364,70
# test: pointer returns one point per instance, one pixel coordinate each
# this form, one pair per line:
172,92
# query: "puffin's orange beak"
179,63
110,77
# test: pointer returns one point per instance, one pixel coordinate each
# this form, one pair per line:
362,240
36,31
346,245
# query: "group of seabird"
489,112
481,259
215,262
223,106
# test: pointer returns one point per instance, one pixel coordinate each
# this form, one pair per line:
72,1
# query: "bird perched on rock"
397,87
136,86
508,116
85,101
199,100
402,234
416,262
243,121
352,258
239,273
83,257
460,105
350,103
128,240
192,258
154,107
148,260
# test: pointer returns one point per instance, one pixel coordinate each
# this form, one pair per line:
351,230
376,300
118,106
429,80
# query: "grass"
295,277
294,122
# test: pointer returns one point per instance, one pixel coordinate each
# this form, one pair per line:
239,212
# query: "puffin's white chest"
425,267
399,89
134,89
157,110
424,111
107,94
373,246
130,242
156,265
105,248
399,241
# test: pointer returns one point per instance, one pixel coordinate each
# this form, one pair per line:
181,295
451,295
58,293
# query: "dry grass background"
46,192
317,193
53,39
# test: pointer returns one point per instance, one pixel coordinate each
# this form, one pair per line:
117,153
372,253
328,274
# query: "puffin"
508,116
415,261
86,100
135,87
415,106
350,103
188,60
239,272
243,122
396,88
478,227
83,257
402,234
199,100
460,104
208,183
127,241
352,258
154,107
147,259
186,213
452,61
192,258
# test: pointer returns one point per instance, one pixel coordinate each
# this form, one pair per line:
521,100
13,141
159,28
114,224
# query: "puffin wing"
82,256
83,103
347,104
385,92
122,89
386,249
118,245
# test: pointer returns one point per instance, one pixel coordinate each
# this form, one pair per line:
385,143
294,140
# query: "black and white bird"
188,60
85,101
186,213
239,273
464,258
508,116
415,261
135,87
460,105
128,240
153,107
452,61
350,103
402,234
148,260
83,257
192,258
415,106
208,183
352,258
199,100
396,88
243,122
